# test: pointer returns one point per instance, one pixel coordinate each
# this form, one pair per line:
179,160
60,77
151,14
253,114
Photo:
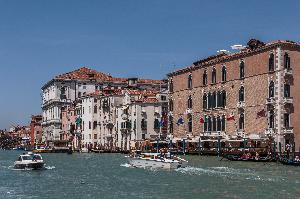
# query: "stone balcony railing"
45,103
287,100
213,133
288,71
288,130
240,133
51,121
240,105
270,101
269,131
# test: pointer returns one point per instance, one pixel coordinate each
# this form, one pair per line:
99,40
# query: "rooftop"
253,46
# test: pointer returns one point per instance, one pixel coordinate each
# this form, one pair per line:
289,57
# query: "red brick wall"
256,92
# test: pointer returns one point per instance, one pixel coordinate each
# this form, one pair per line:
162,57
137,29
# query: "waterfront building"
110,118
63,90
36,129
248,94
141,116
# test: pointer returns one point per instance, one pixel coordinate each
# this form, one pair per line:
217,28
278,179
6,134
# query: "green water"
108,176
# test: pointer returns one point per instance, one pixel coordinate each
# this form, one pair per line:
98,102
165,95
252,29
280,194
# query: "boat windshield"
37,157
26,157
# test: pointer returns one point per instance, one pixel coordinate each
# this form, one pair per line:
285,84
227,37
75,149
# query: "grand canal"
108,176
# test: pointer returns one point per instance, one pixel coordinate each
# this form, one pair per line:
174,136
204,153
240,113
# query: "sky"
147,39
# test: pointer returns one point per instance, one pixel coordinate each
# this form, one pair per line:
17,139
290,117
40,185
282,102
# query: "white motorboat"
29,161
156,161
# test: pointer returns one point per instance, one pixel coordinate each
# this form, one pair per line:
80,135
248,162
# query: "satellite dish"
238,47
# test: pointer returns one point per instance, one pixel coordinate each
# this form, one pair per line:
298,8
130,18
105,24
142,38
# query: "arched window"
214,124
209,124
223,123
242,121
213,76
95,109
190,102
271,62
190,81
219,125
242,94
287,60
224,74
171,86
224,99
271,89
171,124
171,105
271,119
190,123
242,69
214,99
205,123
204,78
219,99
204,101
209,99
94,125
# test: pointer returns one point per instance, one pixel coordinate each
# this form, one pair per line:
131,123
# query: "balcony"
287,100
214,134
188,111
240,133
240,105
269,132
288,72
270,101
288,130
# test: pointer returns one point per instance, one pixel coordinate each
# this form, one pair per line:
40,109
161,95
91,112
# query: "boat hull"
155,164
34,166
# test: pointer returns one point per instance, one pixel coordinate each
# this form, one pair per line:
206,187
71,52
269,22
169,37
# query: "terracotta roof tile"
84,73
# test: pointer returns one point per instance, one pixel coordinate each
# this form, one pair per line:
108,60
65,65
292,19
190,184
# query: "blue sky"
40,39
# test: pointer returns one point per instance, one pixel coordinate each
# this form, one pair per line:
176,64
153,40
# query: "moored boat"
291,162
251,159
29,161
156,161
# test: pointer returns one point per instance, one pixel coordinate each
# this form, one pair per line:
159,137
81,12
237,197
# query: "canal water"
85,176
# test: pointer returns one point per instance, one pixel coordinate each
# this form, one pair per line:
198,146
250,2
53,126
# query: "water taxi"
29,161
156,161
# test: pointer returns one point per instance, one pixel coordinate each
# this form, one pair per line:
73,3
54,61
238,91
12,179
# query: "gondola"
252,159
287,161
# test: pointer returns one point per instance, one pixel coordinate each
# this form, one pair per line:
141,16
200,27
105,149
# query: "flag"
162,123
230,117
261,113
201,120
180,121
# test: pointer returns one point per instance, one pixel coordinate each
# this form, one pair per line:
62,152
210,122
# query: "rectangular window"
286,120
287,90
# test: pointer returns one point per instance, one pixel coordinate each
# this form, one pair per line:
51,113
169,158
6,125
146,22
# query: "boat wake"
30,169
227,172
127,165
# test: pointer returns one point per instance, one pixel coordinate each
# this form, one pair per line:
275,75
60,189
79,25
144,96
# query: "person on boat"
257,156
288,148
297,159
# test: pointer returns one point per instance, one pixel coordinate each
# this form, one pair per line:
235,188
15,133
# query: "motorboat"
156,161
41,150
29,161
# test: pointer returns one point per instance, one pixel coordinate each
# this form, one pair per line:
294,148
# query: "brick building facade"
247,94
